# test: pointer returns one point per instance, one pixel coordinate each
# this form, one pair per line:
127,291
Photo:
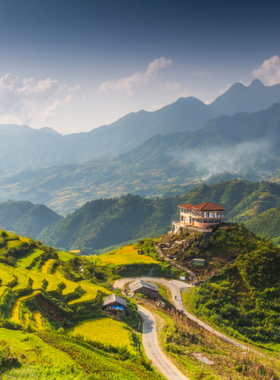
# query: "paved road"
175,291
152,348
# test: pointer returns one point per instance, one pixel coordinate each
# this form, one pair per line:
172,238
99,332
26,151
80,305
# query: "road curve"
177,301
152,348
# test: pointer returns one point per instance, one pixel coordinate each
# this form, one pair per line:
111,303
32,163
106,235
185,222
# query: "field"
26,260
91,292
65,256
106,331
126,255
34,348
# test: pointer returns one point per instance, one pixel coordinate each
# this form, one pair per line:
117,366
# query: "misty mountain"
25,218
23,148
252,98
246,145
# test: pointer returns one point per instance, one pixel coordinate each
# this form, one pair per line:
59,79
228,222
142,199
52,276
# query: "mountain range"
24,148
243,144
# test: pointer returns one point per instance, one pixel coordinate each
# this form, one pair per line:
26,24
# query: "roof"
113,298
188,205
138,284
208,206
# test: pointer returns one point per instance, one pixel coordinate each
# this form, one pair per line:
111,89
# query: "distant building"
114,304
142,287
203,215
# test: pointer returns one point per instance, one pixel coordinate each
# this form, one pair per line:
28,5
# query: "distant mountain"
246,145
26,218
103,223
252,98
24,148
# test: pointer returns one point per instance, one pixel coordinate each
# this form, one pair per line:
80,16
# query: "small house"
114,304
199,262
145,288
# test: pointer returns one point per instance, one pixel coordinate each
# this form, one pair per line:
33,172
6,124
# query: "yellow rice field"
15,311
91,292
126,255
106,331
38,319
47,265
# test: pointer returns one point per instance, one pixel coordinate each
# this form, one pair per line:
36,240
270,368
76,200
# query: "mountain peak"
256,84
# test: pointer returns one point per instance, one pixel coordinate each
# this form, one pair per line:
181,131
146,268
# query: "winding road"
150,340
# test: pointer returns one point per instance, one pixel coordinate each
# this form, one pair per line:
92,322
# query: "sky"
76,65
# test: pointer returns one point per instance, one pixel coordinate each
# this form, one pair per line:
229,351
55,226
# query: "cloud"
23,100
212,160
138,79
269,71
173,85
75,88
51,110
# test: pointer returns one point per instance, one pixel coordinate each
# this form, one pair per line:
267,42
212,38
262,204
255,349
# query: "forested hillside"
25,218
108,222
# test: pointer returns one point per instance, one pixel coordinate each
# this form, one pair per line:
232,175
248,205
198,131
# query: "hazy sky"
76,65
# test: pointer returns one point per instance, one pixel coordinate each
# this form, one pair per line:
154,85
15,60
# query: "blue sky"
76,65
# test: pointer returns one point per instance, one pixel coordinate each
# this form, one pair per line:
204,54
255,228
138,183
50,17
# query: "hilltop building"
203,215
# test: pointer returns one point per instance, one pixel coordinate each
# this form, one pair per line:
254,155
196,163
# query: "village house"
203,215
114,304
145,288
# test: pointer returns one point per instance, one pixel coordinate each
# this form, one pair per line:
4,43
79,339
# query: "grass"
2,290
45,372
106,331
126,255
26,260
35,350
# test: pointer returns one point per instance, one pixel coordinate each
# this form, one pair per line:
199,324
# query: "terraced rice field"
15,311
47,265
2,290
91,292
38,319
70,285
26,260
126,255
6,276
106,331
65,256
13,243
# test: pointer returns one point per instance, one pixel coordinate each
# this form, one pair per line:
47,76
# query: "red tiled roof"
188,205
208,206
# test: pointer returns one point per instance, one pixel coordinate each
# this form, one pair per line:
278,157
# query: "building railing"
210,216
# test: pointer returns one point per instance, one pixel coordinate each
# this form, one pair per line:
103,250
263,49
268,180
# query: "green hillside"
104,223
266,223
25,218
